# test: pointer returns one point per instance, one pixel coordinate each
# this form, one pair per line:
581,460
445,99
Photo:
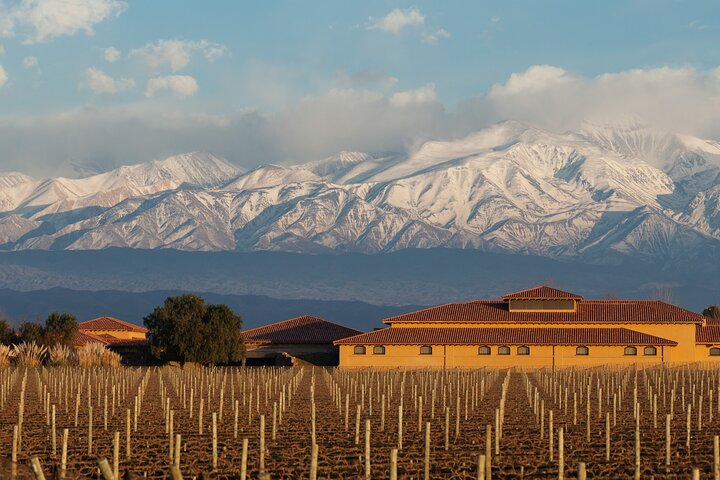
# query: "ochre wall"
466,356
702,353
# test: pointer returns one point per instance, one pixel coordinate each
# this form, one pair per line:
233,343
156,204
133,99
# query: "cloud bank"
43,20
360,116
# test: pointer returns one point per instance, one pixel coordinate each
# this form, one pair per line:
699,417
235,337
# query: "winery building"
126,339
301,340
538,327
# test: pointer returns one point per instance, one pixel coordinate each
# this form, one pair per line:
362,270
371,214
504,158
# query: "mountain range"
601,194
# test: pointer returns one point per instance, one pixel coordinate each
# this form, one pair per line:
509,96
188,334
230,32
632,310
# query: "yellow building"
127,339
538,327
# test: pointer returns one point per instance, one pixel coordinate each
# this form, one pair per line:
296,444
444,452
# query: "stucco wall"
121,334
466,356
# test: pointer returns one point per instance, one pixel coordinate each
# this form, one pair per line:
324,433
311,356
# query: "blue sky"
237,73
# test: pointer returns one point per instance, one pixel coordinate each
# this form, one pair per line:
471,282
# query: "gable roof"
305,329
110,323
541,291
501,336
587,311
82,338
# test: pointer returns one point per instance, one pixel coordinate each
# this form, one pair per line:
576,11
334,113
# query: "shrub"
6,354
29,354
94,354
60,355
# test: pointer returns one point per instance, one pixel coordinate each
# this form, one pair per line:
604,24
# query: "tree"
60,328
6,332
31,332
186,329
713,311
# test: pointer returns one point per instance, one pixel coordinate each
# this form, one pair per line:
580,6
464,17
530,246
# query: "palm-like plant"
29,354
94,354
6,355
60,355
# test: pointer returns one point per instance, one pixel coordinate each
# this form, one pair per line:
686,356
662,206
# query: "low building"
305,339
538,327
126,339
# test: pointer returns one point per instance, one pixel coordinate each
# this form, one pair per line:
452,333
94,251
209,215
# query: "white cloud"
3,76
43,20
420,95
30,62
534,79
398,19
102,83
432,38
111,54
177,53
361,118
179,85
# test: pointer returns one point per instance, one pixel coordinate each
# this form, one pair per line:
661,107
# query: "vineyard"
288,423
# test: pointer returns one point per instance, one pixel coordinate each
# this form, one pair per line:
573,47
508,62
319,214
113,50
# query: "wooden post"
214,440
116,455
488,452
314,462
447,428
63,452
37,468
15,444
561,453
481,467
427,451
128,450
367,449
262,443
716,455
178,443
550,434
582,473
393,463
243,459
90,430
607,436
667,439
400,427
53,439
357,426
105,469
175,473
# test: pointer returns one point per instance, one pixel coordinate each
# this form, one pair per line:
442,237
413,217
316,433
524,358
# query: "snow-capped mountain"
599,194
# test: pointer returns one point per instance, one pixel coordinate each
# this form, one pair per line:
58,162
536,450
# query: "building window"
359,350
503,350
378,350
582,351
426,350
715,352
523,350
485,350
630,351
650,351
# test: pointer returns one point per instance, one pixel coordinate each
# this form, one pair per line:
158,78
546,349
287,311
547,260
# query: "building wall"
702,353
121,334
466,356
682,333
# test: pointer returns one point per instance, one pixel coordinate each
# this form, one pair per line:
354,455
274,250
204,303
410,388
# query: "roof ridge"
113,319
298,318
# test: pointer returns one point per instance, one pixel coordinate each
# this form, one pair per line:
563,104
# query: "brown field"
461,406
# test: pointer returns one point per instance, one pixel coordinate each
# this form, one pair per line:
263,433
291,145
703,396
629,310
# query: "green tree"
60,328
713,311
7,335
31,332
186,329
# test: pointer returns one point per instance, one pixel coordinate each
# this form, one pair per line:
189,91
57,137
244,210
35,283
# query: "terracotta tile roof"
81,338
542,291
305,329
500,336
110,323
710,333
587,311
